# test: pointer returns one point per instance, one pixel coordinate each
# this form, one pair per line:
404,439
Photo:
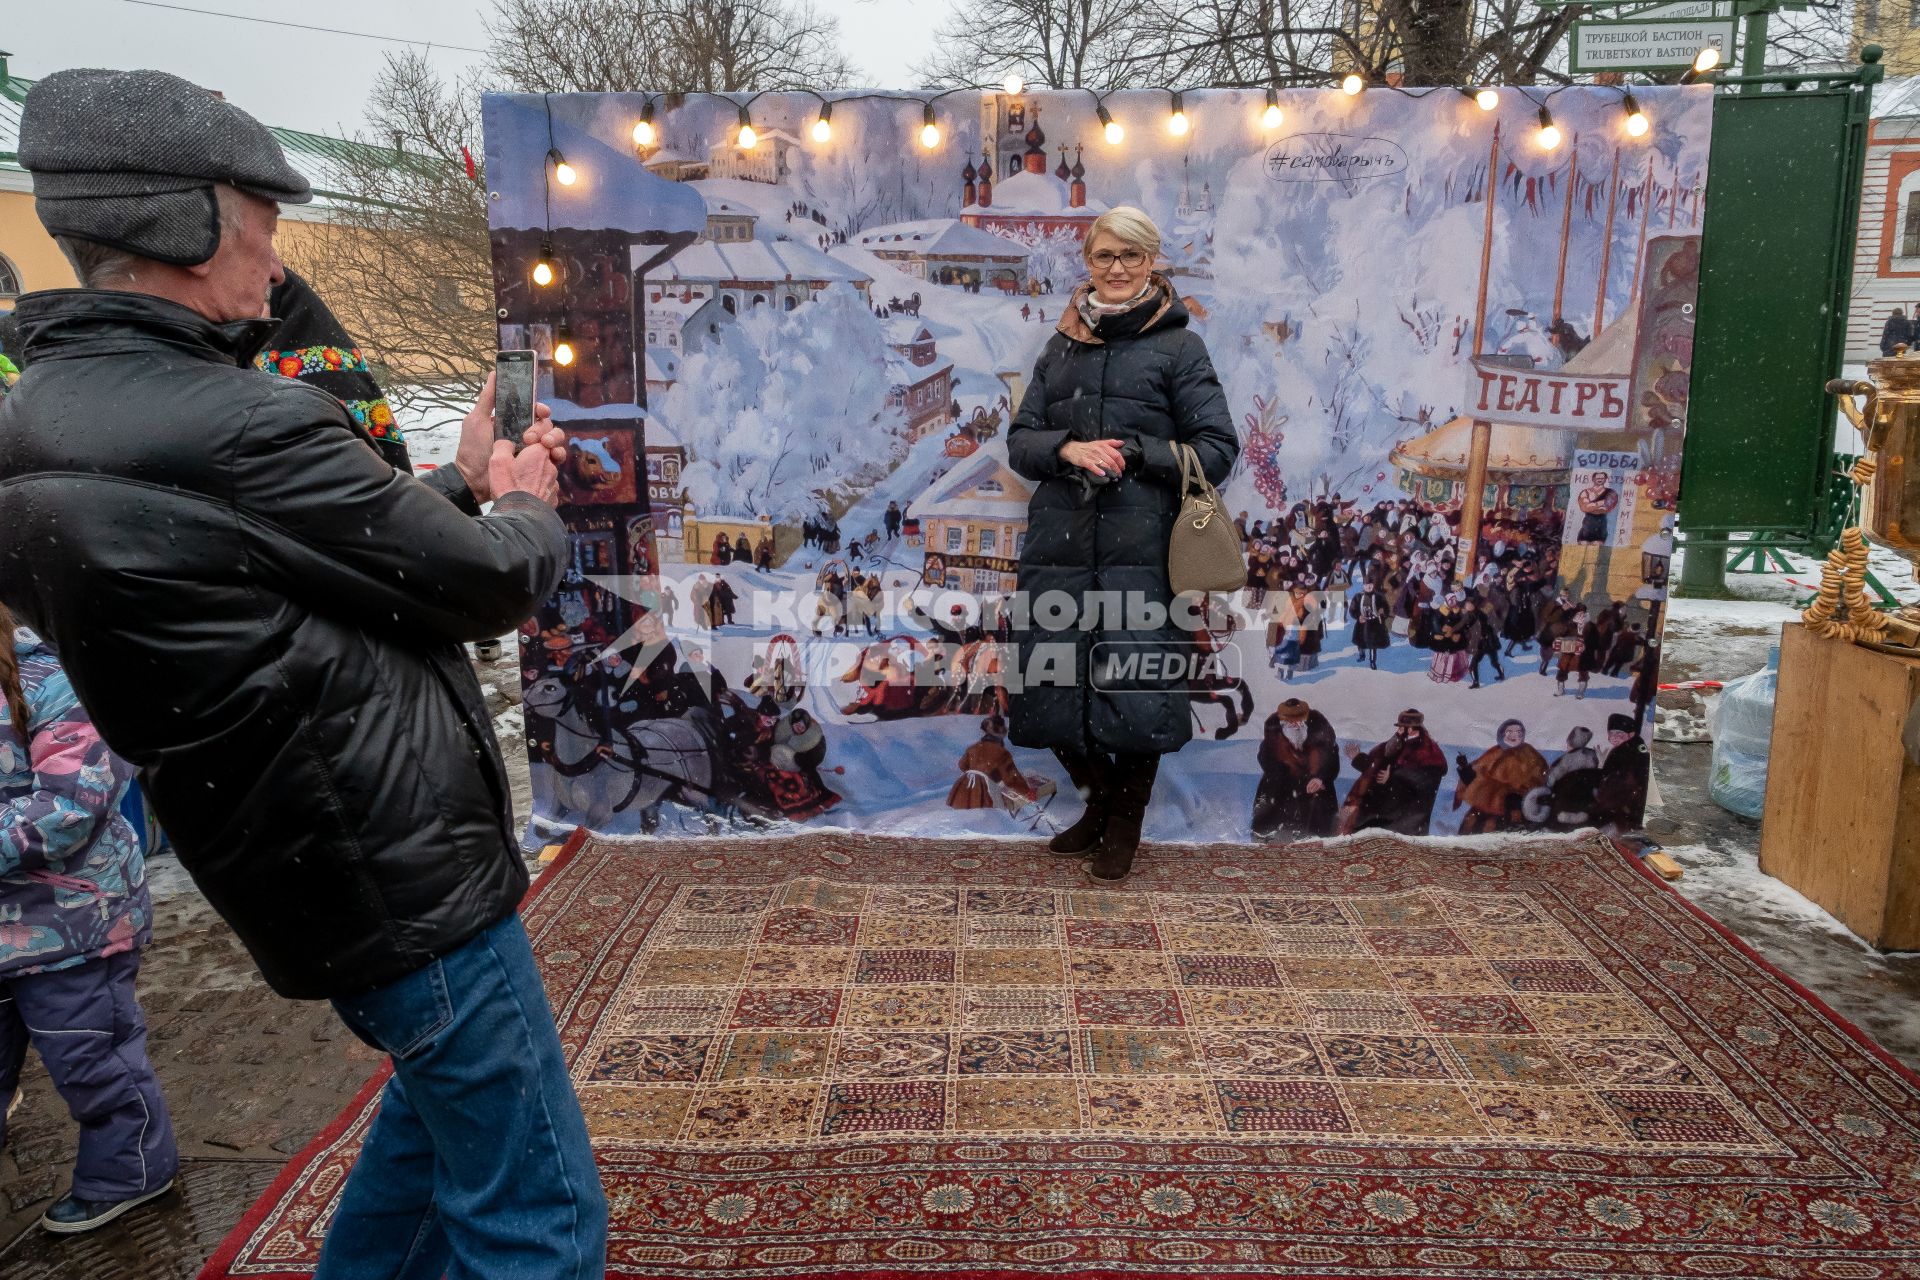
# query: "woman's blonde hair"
1130,225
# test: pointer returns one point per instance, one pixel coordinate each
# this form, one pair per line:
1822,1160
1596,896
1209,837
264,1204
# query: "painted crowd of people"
1390,573
1395,784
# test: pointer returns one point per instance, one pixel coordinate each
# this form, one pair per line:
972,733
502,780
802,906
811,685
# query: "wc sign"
1557,399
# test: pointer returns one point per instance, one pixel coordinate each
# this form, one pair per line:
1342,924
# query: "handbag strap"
1193,478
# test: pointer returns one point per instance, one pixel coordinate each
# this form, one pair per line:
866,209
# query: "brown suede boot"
1089,773
1131,789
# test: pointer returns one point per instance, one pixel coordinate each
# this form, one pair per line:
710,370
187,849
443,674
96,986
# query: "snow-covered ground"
432,432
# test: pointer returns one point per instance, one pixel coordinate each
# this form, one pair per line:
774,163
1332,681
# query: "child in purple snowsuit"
74,913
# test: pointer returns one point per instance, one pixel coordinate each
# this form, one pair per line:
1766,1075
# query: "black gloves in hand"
1087,481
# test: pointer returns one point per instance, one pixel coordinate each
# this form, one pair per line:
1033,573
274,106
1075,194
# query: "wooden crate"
1842,821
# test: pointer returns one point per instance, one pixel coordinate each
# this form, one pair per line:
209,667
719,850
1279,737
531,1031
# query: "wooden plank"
1842,820
1664,866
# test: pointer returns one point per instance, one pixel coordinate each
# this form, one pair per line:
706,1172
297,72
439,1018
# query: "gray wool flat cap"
130,159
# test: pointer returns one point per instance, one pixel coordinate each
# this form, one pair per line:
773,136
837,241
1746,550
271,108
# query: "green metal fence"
1782,214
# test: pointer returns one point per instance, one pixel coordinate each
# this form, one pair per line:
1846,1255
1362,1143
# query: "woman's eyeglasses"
1128,258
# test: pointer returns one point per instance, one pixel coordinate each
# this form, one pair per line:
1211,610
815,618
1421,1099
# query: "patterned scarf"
311,345
1094,311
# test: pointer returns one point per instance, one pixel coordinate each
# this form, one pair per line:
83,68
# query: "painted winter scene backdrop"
795,530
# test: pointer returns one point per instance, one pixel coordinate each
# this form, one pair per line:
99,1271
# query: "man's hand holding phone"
492,465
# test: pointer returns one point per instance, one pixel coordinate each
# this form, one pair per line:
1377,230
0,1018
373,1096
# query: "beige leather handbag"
1204,553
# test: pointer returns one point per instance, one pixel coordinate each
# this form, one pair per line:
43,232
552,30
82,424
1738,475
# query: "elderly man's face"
246,267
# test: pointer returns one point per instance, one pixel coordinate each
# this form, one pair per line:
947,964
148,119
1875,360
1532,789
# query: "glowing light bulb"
1706,60
747,138
1013,85
1637,125
1176,124
564,175
1352,84
643,134
543,273
1487,99
563,352
929,136
1549,135
822,130
1271,117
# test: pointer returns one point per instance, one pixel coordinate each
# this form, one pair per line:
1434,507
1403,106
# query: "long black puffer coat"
1143,377
265,618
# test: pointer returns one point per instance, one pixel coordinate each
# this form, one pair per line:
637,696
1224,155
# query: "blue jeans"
478,1163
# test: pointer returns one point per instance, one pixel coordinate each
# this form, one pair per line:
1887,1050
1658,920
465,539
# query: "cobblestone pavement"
251,1077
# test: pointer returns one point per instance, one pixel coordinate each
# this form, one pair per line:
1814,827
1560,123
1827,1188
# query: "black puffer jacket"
265,618
1144,377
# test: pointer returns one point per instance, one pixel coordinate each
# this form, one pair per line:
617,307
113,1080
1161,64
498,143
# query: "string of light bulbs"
554,169
646,133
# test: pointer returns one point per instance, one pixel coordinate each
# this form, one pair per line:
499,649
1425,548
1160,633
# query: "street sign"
1679,8
1647,46
1682,9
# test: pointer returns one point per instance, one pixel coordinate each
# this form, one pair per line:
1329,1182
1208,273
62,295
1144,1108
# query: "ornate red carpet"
848,1057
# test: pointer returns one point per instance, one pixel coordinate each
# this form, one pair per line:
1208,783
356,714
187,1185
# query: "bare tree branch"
673,46
403,259
1109,44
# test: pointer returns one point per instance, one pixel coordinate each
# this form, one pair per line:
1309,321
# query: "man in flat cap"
1399,779
267,619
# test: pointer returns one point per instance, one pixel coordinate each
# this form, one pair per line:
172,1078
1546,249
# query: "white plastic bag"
1742,734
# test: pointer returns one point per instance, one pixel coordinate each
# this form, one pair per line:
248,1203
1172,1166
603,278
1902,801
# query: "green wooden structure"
1782,214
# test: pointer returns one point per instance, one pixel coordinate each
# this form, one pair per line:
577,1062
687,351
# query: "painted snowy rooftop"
1037,194
905,373
612,193
762,261
940,237
987,490
663,365
904,330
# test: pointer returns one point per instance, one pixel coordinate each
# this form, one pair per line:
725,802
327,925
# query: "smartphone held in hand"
514,379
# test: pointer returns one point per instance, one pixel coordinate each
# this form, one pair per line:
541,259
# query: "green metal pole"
1753,44
1703,573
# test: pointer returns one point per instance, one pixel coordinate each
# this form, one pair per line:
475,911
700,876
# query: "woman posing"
1114,390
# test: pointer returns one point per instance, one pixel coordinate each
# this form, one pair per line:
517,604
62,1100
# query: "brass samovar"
1886,411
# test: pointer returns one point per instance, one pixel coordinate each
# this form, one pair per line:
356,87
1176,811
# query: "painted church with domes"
1010,191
